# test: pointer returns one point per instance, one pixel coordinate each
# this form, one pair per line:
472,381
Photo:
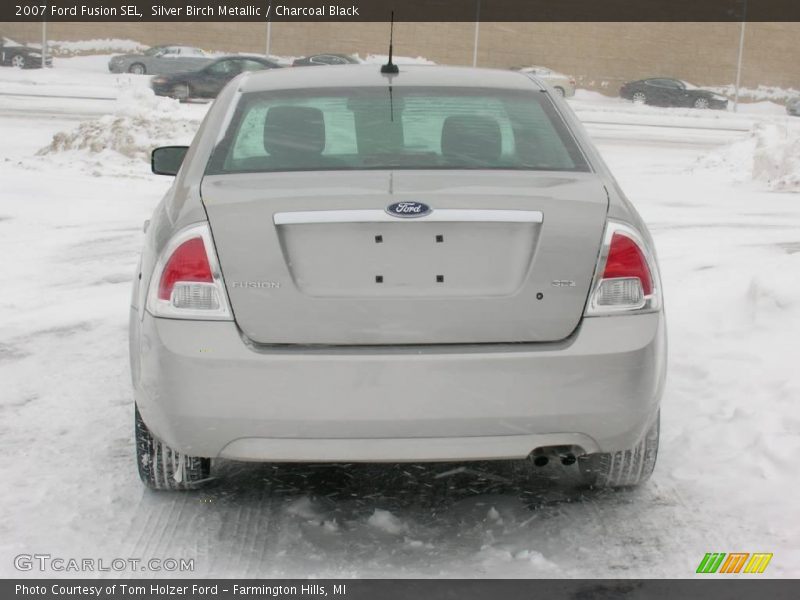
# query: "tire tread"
624,468
162,468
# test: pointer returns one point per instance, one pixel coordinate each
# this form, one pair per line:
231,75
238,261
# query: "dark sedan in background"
661,91
208,81
13,54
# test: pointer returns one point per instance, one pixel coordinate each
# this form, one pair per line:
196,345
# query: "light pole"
44,37
739,61
269,29
477,33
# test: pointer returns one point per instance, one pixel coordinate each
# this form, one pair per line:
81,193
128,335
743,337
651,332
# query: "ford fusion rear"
433,265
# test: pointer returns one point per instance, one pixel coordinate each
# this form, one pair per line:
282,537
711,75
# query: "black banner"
733,588
405,10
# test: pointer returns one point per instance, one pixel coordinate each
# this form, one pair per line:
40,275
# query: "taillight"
187,265
626,277
626,260
187,282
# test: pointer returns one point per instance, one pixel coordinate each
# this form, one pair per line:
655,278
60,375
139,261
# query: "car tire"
181,92
560,91
626,468
162,468
18,61
701,103
137,69
639,98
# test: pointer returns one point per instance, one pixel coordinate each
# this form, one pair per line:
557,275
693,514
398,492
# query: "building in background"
599,55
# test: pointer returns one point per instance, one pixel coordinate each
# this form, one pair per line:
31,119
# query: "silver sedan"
564,85
160,60
434,265
793,107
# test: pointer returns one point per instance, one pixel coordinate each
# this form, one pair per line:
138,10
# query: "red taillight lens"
625,259
188,263
626,277
187,281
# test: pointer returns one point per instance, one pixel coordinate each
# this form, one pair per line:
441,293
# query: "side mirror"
167,160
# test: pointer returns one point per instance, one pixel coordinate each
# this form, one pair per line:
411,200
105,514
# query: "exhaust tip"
568,459
541,460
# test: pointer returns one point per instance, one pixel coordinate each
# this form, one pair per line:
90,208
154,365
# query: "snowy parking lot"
720,192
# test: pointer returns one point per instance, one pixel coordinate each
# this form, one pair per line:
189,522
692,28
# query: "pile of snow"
770,154
96,46
140,122
385,521
761,107
283,60
762,92
379,59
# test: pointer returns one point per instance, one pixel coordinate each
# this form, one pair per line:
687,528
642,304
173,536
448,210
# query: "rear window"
405,128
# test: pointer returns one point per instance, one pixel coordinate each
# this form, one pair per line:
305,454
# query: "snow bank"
762,92
379,59
385,521
770,154
96,46
140,122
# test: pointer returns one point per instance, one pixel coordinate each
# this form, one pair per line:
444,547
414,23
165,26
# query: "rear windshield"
405,128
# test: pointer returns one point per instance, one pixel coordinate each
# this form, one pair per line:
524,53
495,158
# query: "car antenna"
390,68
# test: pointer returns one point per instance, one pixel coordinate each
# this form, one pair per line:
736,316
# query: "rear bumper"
205,391
36,63
162,89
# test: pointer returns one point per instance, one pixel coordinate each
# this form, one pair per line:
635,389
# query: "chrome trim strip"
447,215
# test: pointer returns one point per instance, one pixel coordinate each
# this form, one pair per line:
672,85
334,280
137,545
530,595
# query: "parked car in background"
326,59
448,272
793,107
663,91
160,60
14,54
208,81
563,84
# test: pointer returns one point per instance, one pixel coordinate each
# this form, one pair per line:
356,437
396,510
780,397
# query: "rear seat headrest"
471,138
293,130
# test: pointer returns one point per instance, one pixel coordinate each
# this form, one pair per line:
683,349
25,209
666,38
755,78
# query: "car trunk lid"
315,258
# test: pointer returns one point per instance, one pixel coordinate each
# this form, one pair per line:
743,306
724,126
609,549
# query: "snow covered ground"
728,238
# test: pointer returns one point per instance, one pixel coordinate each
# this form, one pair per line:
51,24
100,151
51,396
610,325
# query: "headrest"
471,138
294,130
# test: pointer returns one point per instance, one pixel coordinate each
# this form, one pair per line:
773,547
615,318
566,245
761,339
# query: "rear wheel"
180,92
625,468
701,103
162,468
137,69
18,61
639,98
560,91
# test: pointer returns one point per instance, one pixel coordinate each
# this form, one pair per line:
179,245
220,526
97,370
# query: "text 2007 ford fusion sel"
432,265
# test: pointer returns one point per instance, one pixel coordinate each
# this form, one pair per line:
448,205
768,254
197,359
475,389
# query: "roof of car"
260,57
370,75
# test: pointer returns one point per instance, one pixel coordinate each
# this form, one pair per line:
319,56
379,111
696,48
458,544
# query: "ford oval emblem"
408,210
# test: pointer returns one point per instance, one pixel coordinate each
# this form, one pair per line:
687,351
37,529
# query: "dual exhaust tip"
542,460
